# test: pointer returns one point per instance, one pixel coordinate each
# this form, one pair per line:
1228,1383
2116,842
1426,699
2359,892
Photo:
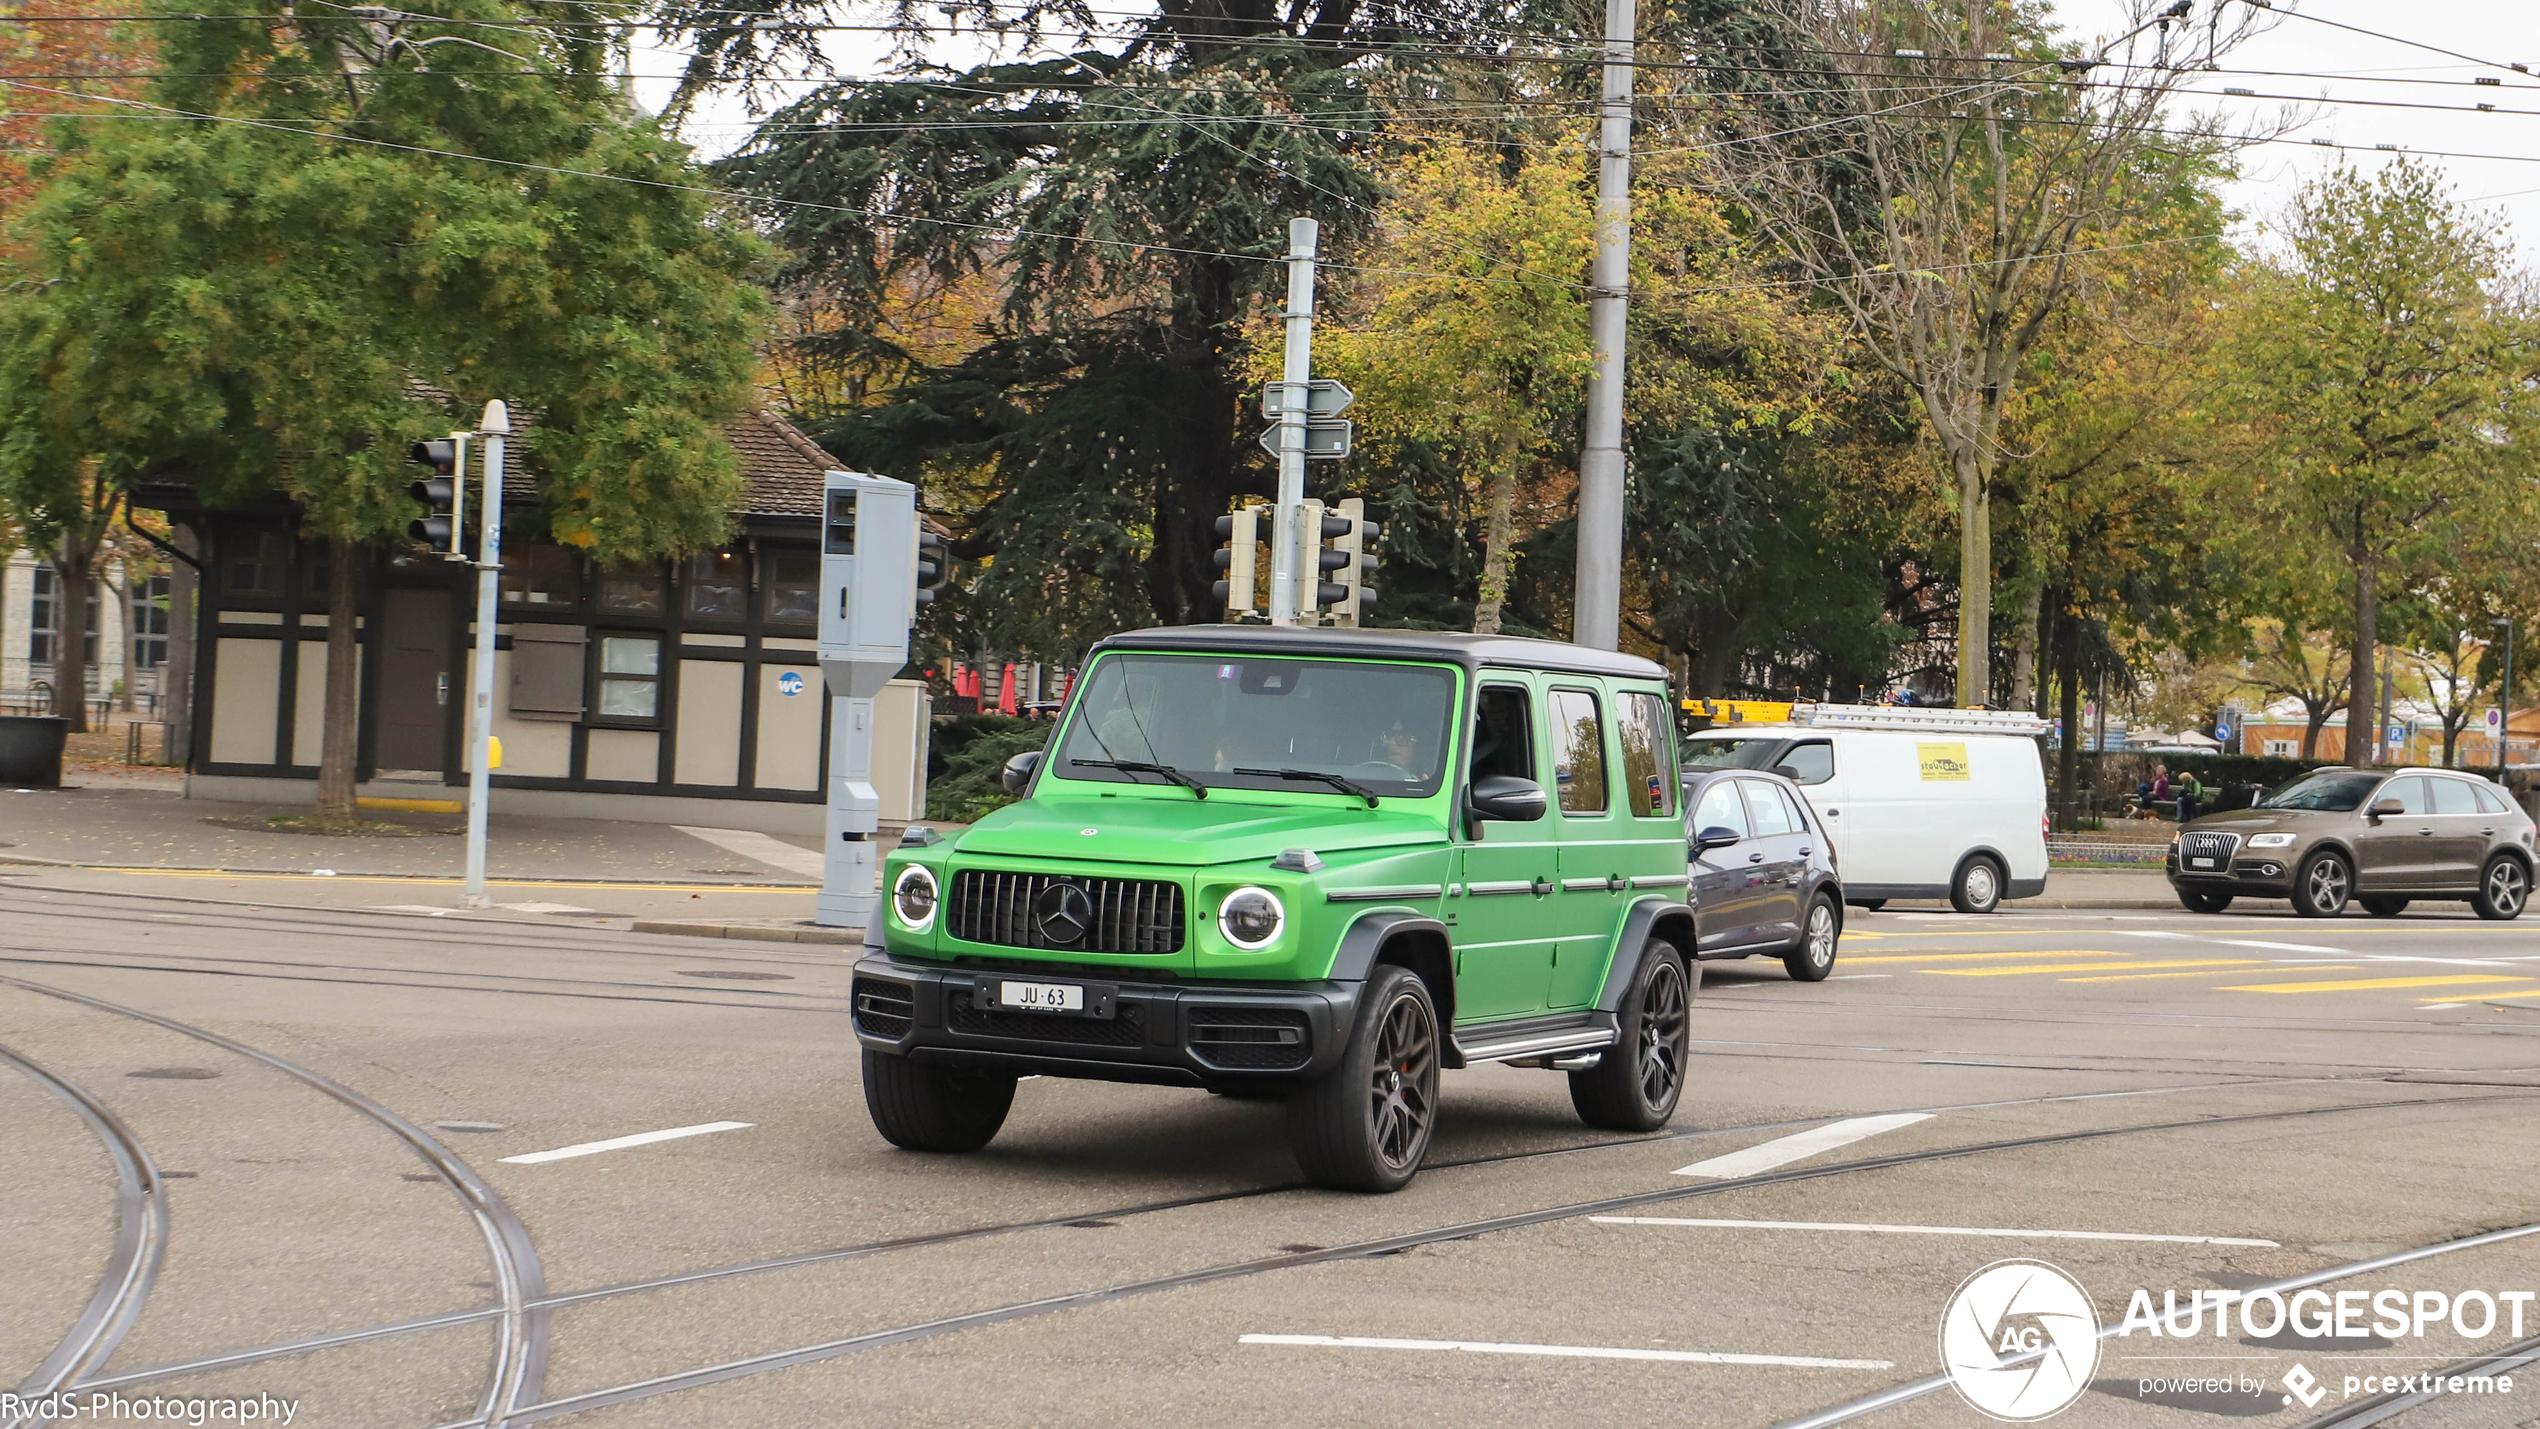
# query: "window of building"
255,563
633,591
150,623
317,569
1649,784
793,586
540,574
630,677
1578,753
718,585
44,614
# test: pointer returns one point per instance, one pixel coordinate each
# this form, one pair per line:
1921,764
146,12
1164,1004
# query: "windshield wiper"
1350,786
1140,766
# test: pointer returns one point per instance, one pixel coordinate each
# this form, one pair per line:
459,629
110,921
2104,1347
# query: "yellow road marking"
2137,977
2487,996
2365,984
213,873
2023,953
2094,967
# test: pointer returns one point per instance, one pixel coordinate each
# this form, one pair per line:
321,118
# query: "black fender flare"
1651,917
1356,957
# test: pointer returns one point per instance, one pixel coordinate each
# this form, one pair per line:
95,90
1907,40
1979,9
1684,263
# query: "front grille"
1125,1030
1130,915
884,1009
2218,847
1252,1039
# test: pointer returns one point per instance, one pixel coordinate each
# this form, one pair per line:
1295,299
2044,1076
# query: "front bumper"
1174,1033
2264,873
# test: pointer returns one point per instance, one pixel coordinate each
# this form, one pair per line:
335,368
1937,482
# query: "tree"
2388,377
336,211
2290,664
1951,225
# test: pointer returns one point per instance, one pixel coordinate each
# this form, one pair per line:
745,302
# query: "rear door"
1775,863
2392,853
1722,902
1595,841
1509,916
2461,833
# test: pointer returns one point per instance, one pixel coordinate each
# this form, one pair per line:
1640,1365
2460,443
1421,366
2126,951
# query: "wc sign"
790,683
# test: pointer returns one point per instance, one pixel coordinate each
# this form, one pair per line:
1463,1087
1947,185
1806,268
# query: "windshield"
1383,727
1731,752
2336,791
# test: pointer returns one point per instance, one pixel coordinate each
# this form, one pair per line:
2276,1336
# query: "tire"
2383,905
1812,957
1635,1086
2504,886
2323,884
1869,905
2195,901
1977,887
922,1108
1365,1126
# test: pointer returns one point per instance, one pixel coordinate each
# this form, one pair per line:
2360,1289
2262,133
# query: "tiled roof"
783,472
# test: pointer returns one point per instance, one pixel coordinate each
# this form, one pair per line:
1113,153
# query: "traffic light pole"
1598,606
1297,371
497,425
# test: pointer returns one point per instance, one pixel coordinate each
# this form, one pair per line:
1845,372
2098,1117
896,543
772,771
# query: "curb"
504,879
749,932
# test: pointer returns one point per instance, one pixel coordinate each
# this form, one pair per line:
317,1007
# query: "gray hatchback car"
2383,838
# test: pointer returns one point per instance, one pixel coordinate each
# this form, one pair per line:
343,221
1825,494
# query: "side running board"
1536,1037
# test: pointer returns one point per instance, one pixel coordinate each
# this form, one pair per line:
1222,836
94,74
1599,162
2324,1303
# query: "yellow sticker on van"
1944,763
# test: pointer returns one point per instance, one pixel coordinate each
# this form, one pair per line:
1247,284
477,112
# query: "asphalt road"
2148,1101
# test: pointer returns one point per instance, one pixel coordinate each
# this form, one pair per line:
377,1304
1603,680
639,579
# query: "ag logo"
2019,1340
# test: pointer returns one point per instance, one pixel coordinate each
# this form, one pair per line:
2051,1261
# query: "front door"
1723,877
1510,911
414,680
2392,852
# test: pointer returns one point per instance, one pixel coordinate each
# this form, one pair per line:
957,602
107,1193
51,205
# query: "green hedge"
965,763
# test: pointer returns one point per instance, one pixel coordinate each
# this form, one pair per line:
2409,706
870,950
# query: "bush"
965,765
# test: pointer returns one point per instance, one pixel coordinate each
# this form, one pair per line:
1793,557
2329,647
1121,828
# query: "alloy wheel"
2327,885
1821,934
2506,887
1663,1021
1405,1082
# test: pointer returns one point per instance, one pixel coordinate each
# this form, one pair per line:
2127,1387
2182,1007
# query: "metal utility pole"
1296,372
2505,705
1598,615
496,425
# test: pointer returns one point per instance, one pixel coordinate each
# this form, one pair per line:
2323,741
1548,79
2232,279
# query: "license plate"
1041,996
2200,863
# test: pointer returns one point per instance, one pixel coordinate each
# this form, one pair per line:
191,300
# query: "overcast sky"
2352,90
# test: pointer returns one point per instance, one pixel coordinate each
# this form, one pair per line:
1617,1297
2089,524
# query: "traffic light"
1240,559
934,563
1357,547
440,494
1316,562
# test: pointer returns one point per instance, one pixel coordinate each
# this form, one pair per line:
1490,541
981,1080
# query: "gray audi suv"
2383,838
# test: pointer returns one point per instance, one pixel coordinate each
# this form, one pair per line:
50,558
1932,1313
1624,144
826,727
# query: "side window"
1809,763
2410,792
1767,814
1578,753
2452,796
1649,784
1798,807
2489,802
1720,808
1503,733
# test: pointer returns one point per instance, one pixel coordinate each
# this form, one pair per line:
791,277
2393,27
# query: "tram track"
518,1369
801,1002
132,1264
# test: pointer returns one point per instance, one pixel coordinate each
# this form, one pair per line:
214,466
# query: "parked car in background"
1917,803
2383,838
1764,878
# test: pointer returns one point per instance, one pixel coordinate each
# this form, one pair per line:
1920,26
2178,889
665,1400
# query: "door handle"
1754,858
2425,833
1834,813
1805,852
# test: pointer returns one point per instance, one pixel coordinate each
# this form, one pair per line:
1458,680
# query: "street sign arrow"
1324,441
1323,398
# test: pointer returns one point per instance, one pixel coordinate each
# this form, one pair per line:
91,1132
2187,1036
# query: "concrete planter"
31,750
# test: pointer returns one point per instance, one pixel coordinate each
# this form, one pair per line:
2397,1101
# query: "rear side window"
1810,763
2489,802
1649,786
1578,753
1766,812
1720,808
2452,796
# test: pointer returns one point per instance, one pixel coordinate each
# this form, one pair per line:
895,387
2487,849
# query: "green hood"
1192,833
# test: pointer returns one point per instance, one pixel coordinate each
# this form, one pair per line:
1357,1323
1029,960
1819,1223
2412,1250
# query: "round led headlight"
1251,918
913,897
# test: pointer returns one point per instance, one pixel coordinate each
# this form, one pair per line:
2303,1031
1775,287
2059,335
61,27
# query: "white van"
1919,803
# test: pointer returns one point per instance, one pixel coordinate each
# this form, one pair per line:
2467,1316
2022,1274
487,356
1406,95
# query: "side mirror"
1020,769
1716,836
1505,796
1787,772
2386,808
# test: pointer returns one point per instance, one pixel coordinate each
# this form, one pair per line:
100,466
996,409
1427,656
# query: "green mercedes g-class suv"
1322,864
